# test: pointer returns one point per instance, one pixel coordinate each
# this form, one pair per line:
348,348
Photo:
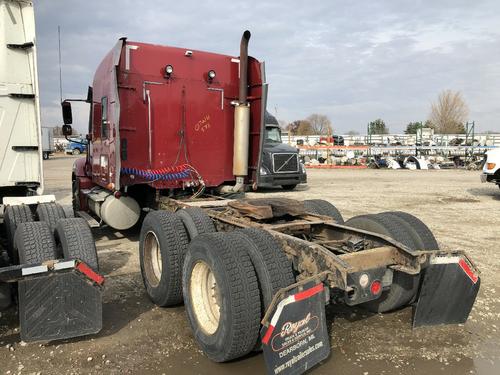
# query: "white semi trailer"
21,170
51,257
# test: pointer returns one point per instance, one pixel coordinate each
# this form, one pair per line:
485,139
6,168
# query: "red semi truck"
174,133
164,119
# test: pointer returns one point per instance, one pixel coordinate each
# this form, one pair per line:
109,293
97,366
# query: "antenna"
60,66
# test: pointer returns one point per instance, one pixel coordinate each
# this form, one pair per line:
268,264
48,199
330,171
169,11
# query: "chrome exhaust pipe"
242,98
242,116
241,123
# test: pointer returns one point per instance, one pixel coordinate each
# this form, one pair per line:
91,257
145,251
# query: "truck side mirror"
67,130
66,112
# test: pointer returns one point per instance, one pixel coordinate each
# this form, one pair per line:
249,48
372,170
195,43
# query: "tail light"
376,287
490,165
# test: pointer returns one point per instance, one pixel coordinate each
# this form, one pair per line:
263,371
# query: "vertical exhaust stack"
242,119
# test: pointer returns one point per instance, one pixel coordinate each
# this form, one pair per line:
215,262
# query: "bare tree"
282,124
300,127
320,124
449,112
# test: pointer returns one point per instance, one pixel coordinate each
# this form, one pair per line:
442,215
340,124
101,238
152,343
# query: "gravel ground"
141,338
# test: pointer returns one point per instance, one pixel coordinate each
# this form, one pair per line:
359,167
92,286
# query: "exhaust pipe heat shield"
448,292
241,135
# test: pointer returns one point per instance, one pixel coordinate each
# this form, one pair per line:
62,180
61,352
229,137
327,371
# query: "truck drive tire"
425,234
34,243
404,286
325,208
76,151
221,296
12,218
274,270
196,221
162,247
51,213
5,296
45,155
75,240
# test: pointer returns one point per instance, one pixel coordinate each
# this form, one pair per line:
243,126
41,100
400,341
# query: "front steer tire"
162,247
221,296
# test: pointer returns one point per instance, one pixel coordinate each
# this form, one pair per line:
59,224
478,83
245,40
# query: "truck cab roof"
270,120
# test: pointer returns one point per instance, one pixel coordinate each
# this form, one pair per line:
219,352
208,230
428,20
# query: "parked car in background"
76,146
491,168
47,142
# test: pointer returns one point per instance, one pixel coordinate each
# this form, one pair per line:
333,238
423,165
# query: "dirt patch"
139,338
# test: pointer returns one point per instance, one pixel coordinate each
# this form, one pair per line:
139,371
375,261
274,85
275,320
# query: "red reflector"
268,334
87,271
376,287
468,271
308,292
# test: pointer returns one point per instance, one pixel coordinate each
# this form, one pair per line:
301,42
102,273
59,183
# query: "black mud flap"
297,337
58,306
447,293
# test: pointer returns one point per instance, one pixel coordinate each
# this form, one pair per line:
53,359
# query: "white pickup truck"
491,169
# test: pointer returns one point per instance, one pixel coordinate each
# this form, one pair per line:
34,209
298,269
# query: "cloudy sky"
354,61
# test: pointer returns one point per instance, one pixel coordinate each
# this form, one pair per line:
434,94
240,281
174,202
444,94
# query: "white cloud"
354,61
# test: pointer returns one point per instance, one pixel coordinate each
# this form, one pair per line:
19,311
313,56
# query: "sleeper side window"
104,118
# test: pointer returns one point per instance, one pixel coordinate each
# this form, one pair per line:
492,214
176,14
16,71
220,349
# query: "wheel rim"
152,259
205,297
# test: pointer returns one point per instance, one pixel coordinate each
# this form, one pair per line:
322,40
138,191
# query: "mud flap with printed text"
447,293
297,337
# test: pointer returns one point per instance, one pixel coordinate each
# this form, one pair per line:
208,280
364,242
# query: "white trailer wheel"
206,297
152,259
